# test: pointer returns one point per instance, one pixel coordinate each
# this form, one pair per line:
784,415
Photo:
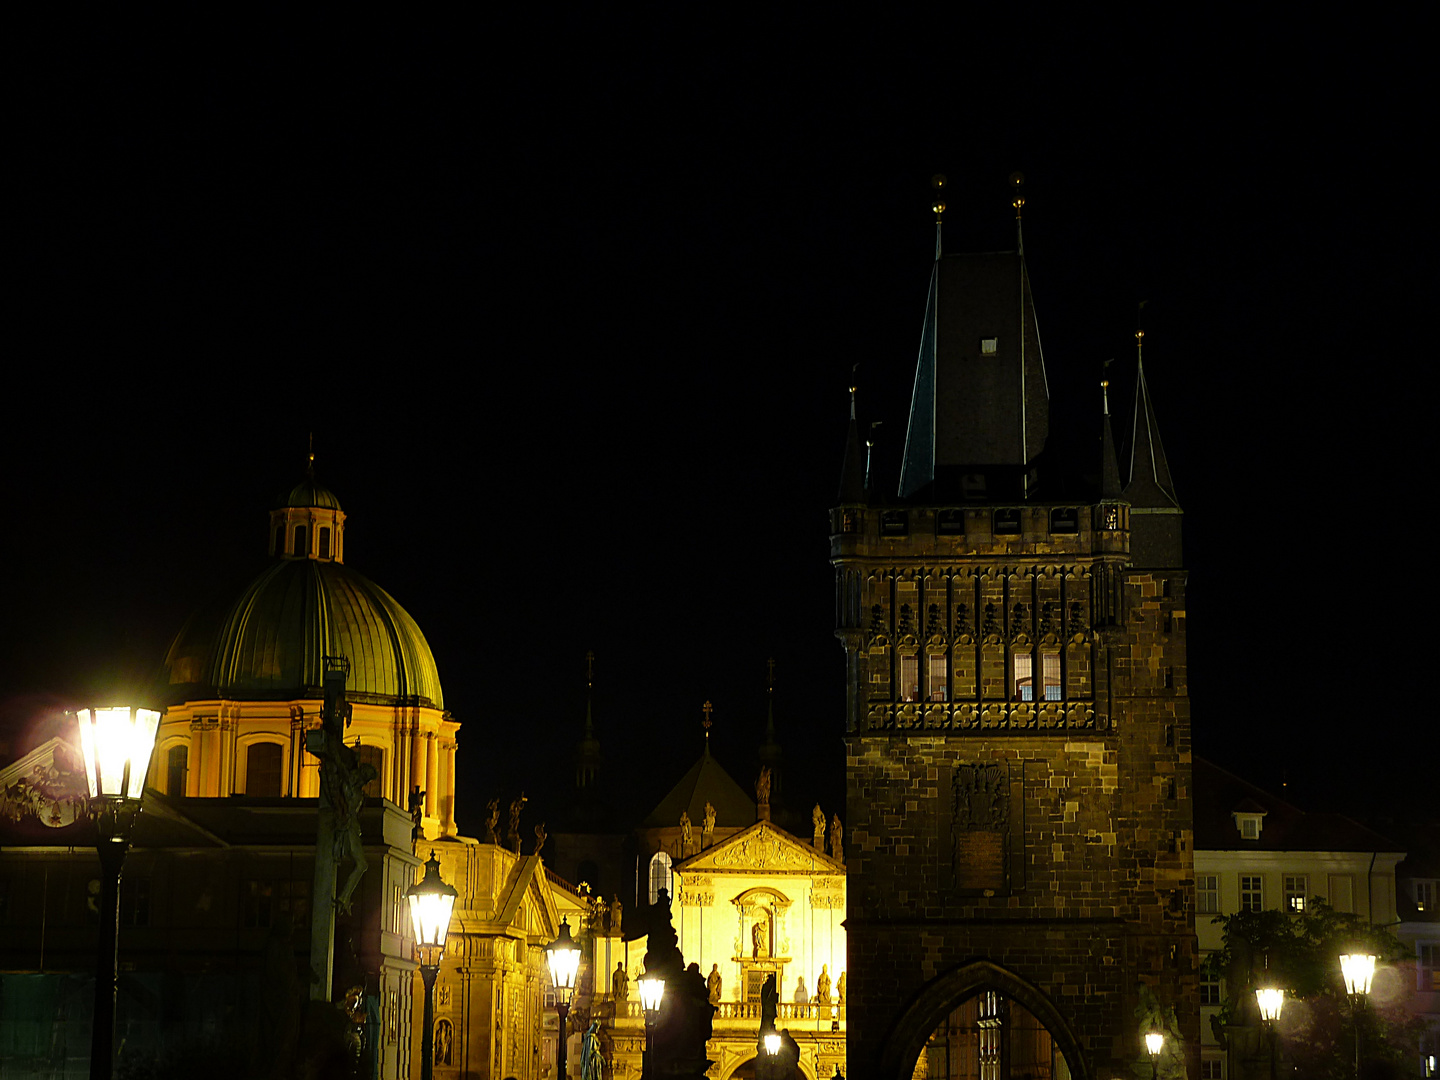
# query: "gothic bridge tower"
1018,731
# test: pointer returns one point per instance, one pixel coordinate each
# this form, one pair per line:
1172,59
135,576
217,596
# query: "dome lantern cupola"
308,523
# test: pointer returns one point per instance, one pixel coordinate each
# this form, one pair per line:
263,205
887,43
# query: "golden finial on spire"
1139,344
770,671
310,457
589,668
937,201
707,709
1017,200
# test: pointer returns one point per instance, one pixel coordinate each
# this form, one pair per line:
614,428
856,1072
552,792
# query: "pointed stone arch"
940,995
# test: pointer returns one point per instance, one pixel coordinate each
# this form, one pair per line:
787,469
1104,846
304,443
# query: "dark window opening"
280,540
262,769
894,523
373,756
1007,521
950,522
1064,519
302,540
176,765
135,901
324,543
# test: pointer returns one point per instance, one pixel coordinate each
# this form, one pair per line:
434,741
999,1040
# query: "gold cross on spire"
707,709
770,667
590,668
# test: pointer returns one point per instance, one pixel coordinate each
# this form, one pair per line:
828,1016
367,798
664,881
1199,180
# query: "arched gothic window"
660,876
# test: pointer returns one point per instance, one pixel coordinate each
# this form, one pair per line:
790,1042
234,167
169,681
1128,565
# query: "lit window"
1296,892
1212,1069
1424,895
1252,892
1249,825
1207,894
1050,669
909,676
989,346
1024,684
660,877
938,682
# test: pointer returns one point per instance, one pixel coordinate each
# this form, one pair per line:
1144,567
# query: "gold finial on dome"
310,458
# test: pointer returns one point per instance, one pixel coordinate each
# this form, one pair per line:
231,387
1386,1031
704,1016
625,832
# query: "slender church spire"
1150,485
1109,462
587,750
852,468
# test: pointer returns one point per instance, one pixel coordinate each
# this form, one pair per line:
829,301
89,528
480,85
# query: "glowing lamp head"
1154,1042
563,956
772,1043
431,901
1358,969
1271,1000
116,744
652,990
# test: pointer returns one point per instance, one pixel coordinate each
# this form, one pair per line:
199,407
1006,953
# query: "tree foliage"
1301,954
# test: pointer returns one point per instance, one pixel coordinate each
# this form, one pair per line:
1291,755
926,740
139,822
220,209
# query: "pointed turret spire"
587,750
1150,485
771,756
1109,463
852,469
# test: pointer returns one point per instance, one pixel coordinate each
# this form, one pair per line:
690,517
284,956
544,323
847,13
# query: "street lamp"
116,744
652,992
564,958
1271,1000
431,901
1154,1043
1358,969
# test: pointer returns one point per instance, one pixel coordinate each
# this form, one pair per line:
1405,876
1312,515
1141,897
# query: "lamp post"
1271,1000
1154,1043
116,744
1358,969
564,959
652,992
431,901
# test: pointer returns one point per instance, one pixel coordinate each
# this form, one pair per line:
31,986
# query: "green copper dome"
272,642
309,493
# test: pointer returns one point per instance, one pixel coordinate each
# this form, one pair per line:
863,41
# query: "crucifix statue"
337,833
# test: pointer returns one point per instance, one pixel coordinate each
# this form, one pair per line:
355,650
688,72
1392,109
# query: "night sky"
571,315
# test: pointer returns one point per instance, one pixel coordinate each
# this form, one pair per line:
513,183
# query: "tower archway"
942,996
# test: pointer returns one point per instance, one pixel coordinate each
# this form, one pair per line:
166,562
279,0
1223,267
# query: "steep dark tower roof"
1150,484
1109,463
980,408
852,469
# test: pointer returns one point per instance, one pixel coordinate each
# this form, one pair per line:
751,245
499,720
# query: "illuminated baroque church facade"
1012,613
216,894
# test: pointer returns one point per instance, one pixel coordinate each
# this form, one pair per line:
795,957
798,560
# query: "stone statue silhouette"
707,829
817,821
822,985
837,839
617,912
512,835
540,836
769,1004
620,984
713,984
686,835
492,822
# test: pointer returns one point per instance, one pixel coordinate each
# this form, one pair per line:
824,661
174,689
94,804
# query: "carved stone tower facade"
1018,731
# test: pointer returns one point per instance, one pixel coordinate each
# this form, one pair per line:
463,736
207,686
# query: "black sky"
571,313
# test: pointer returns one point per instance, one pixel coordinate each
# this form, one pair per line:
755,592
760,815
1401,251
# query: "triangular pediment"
762,848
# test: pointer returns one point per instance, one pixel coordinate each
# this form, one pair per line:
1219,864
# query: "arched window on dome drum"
660,876
373,756
279,548
324,543
302,540
262,769
177,763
